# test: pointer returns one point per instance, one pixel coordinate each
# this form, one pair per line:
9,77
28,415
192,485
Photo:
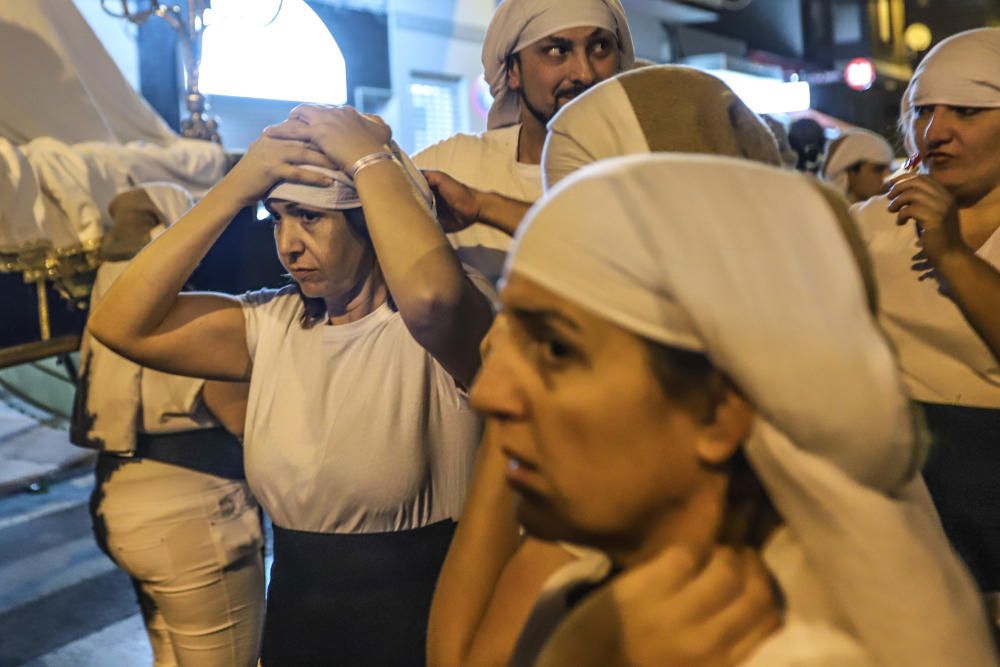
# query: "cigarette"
912,163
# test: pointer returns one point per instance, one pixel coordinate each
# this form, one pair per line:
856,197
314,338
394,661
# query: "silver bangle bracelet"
368,161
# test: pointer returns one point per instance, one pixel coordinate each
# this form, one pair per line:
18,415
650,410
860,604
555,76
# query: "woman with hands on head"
358,439
935,244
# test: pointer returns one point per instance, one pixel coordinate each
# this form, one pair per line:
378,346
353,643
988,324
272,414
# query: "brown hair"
690,379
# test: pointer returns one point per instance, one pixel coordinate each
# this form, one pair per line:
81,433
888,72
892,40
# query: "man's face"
866,180
558,68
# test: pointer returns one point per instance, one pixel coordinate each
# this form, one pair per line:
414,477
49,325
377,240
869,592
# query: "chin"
311,290
540,521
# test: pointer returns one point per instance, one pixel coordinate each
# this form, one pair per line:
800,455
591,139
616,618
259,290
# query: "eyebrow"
294,209
556,40
543,317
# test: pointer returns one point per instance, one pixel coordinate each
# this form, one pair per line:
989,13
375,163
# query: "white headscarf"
765,283
342,195
662,108
963,70
520,23
852,147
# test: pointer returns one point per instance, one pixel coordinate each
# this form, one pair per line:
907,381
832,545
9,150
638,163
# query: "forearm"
974,285
486,538
501,212
418,263
143,295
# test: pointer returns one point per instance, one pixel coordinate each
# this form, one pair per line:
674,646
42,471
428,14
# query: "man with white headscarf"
856,164
538,55
937,283
168,474
672,292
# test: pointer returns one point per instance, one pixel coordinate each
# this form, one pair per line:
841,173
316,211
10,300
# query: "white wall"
117,35
442,37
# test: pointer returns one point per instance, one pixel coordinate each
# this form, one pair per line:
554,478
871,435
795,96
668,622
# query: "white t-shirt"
488,162
352,428
813,633
942,357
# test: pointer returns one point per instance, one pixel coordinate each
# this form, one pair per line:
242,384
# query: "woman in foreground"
662,380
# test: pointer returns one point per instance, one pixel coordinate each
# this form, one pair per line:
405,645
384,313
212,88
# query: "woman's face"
597,453
322,250
960,147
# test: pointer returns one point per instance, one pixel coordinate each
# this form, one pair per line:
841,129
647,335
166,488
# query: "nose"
495,393
287,239
939,127
583,69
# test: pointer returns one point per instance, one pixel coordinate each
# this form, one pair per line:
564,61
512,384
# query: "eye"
310,217
967,112
554,352
601,46
556,51
923,109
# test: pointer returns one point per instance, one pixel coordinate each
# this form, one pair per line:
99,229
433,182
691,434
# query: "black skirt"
963,477
352,599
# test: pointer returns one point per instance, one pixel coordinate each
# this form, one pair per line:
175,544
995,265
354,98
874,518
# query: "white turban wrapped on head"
342,195
520,23
962,70
768,283
662,108
850,148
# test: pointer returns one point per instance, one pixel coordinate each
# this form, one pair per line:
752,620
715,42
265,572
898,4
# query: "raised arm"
968,280
145,318
490,579
974,285
460,206
441,307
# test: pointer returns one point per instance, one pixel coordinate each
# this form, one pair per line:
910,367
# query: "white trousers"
192,544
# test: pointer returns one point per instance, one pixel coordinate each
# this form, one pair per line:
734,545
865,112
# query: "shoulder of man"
461,147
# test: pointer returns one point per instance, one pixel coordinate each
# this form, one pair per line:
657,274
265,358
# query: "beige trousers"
192,544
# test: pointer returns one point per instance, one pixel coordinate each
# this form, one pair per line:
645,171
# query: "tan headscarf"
764,282
520,23
149,206
666,108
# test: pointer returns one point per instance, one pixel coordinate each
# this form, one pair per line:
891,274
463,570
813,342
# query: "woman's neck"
369,293
981,220
694,526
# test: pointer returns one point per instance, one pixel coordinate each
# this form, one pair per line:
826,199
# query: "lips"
299,274
521,475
